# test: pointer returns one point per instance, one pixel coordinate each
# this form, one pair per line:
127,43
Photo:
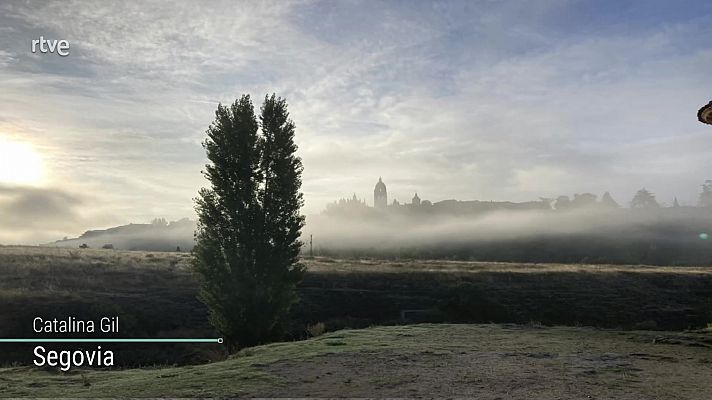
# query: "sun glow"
19,163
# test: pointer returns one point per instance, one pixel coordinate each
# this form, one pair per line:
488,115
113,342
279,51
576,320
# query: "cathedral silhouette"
358,208
380,195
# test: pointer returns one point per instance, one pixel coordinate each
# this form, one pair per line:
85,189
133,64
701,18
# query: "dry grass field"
155,294
156,291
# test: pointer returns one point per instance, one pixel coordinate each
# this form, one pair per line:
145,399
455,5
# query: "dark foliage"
249,222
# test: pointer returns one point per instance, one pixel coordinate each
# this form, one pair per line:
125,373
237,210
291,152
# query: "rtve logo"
61,47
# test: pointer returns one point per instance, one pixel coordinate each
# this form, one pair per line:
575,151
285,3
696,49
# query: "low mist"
662,235
535,233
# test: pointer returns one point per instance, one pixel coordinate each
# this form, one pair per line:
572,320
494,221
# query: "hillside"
157,236
483,361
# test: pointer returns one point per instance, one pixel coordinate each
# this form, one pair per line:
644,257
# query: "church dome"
380,195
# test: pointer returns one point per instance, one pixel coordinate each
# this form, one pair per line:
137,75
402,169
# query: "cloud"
487,100
31,215
25,205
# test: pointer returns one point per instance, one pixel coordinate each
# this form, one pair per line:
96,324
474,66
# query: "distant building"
380,195
351,206
356,208
416,199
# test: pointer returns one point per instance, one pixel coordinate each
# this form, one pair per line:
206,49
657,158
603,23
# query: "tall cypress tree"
281,202
247,242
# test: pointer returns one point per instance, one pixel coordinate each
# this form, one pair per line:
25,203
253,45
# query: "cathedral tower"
380,196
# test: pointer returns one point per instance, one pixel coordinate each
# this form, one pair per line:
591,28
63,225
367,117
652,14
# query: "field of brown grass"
155,295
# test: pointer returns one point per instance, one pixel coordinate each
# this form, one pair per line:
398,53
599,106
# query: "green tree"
644,199
280,171
247,240
562,203
583,200
608,202
706,195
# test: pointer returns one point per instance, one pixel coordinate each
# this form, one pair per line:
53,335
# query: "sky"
472,100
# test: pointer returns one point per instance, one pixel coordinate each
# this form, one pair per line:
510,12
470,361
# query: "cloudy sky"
488,100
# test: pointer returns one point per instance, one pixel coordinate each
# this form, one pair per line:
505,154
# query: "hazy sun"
19,163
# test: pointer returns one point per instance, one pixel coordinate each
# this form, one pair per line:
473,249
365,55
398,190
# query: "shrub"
317,329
